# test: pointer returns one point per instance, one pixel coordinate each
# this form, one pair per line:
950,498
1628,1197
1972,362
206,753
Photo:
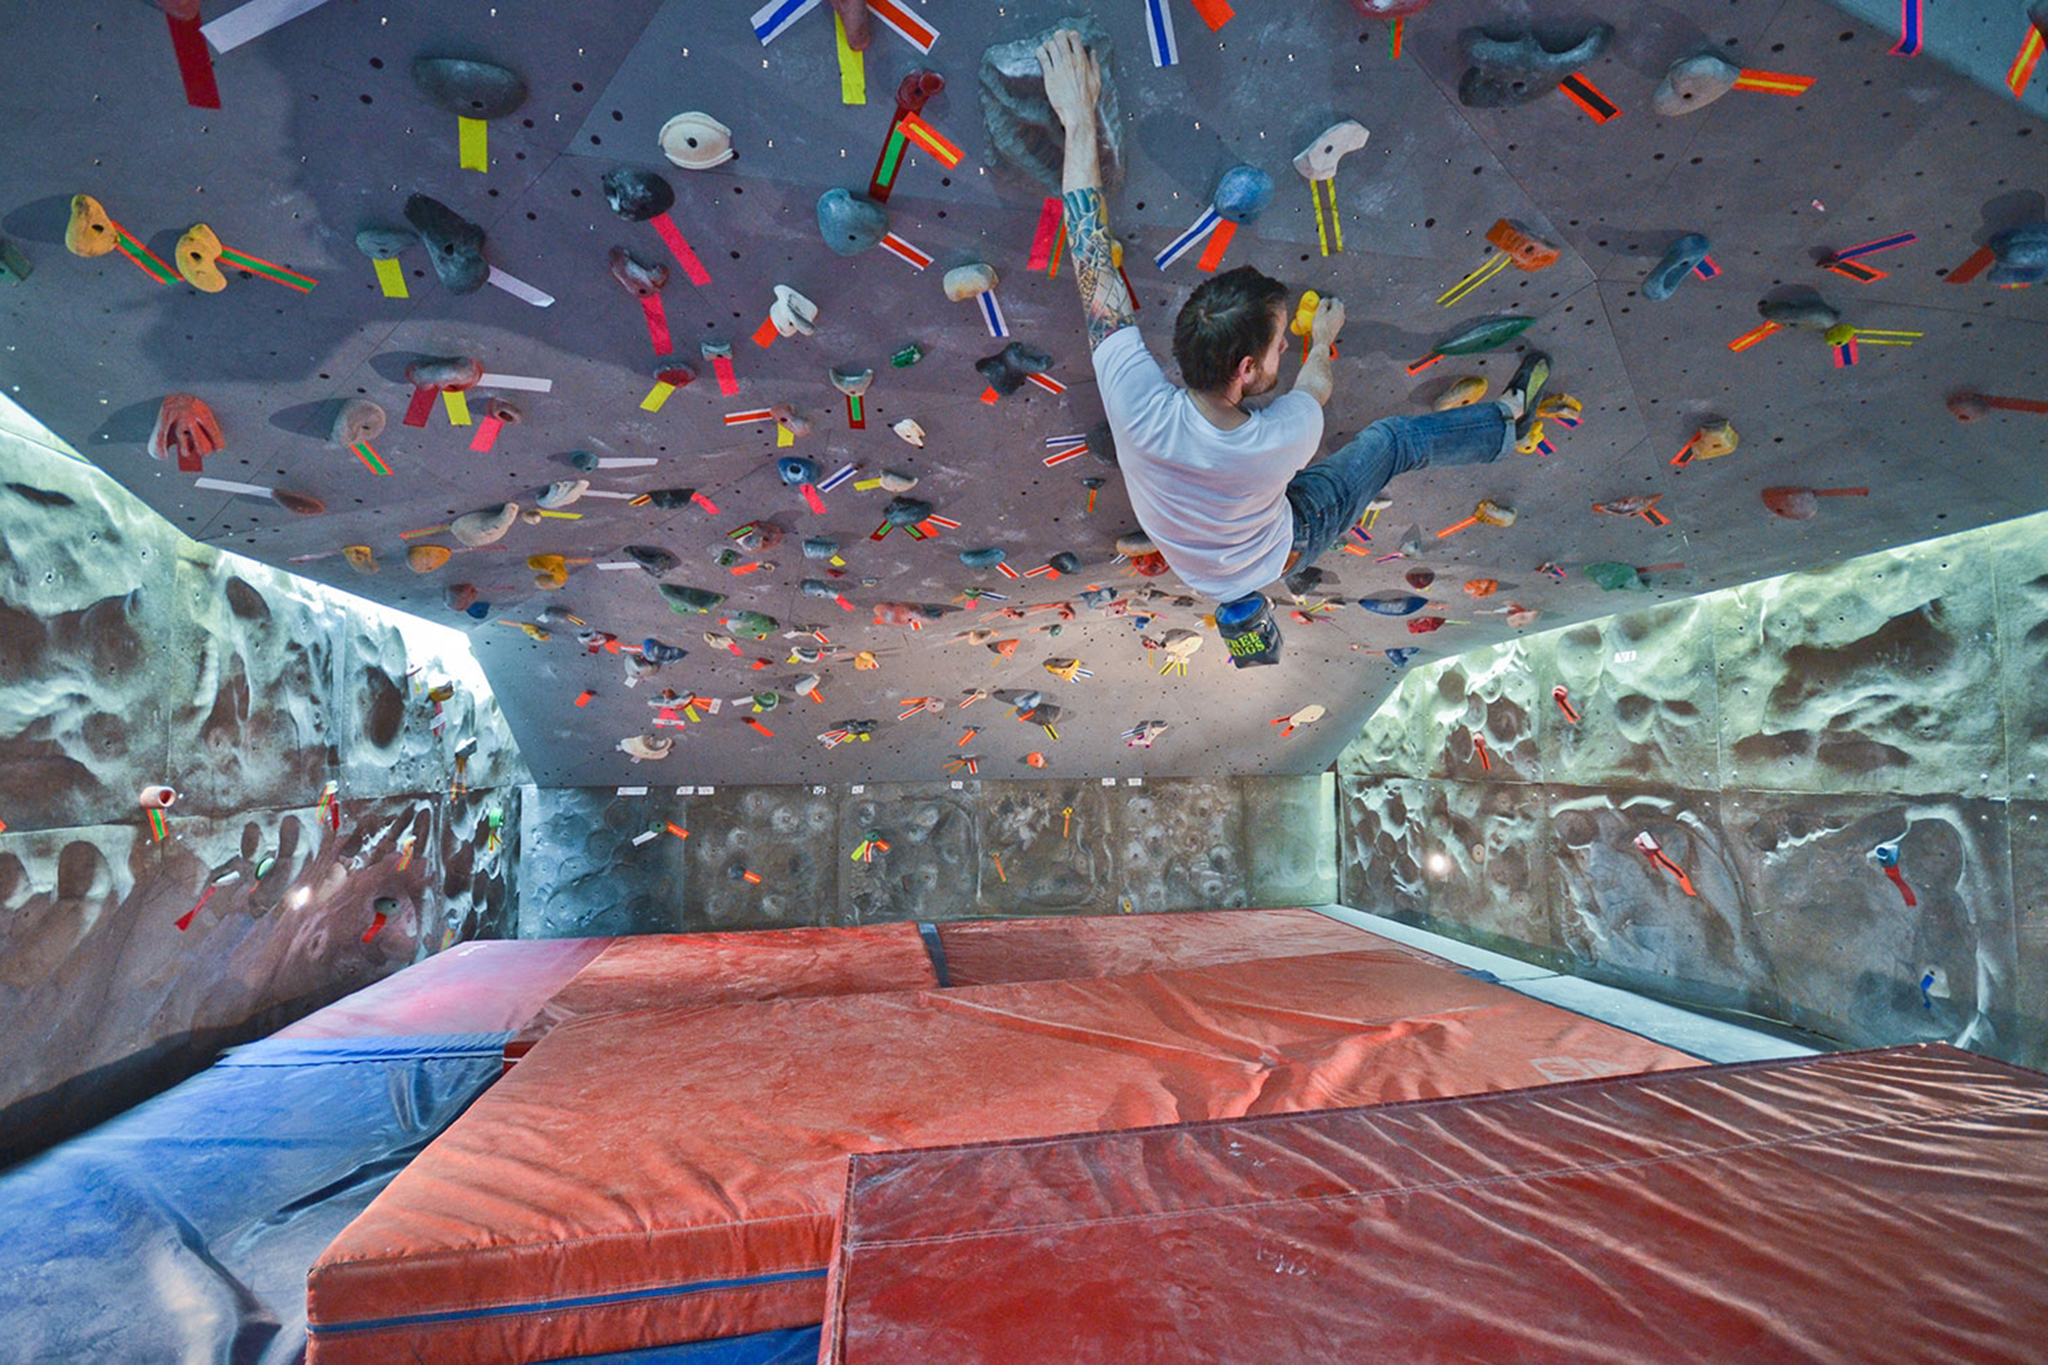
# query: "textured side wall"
1768,738
954,851
132,656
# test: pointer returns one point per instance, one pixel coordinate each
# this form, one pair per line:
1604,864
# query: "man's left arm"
1073,84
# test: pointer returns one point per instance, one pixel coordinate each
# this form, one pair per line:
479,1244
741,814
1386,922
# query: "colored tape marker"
473,146
1159,35
679,247
195,63
853,68
391,279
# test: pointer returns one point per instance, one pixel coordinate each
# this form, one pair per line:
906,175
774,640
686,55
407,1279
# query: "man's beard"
1260,385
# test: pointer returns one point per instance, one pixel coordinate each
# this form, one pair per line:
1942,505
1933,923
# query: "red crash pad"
985,952
691,971
1865,1207
671,1175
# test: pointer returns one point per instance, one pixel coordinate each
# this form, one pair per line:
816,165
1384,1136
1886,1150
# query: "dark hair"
1223,321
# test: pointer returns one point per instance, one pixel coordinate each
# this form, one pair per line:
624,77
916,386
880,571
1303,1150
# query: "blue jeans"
1330,495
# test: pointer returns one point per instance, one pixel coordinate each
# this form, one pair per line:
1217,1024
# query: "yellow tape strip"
1315,192
784,436
656,396
458,407
853,68
472,140
391,279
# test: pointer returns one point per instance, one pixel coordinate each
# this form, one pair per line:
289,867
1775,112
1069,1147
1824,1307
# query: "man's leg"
1329,497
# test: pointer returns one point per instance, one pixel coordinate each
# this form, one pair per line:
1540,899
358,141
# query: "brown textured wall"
954,852
1768,737
131,655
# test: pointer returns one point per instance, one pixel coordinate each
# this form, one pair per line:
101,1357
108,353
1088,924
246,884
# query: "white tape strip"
519,289
224,486
253,20
516,381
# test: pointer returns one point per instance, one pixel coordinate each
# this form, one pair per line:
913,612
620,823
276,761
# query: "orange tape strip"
1219,242
2024,63
1215,13
1773,83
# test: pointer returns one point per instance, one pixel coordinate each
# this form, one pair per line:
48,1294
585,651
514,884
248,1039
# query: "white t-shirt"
1213,501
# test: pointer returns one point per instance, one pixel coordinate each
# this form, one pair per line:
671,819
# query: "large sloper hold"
1007,370
1516,65
1487,334
1680,259
357,421
685,600
455,245
1693,83
1024,134
849,224
469,88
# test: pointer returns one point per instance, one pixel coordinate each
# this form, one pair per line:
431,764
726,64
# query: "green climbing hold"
907,356
753,625
682,600
1487,334
1616,577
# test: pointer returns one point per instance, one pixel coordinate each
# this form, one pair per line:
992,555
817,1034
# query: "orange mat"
674,1175
694,971
985,952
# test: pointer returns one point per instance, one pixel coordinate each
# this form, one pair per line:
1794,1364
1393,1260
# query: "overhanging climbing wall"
323,131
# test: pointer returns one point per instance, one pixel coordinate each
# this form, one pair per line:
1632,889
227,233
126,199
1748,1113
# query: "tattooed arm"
1073,84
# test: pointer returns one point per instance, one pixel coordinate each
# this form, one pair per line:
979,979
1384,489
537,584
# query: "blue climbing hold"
1243,193
797,469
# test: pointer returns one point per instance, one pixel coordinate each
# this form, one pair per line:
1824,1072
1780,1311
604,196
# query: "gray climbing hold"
850,225
820,547
584,461
683,601
1008,368
668,499
636,194
385,241
1693,83
469,88
657,653
454,244
986,558
1066,561
1515,65
817,587
1808,310
1681,258
2021,253
1024,134
359,420
1243,193
906,511
486,527
444,372
652,558
1102,443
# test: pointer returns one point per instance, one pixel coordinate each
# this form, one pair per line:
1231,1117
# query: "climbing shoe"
1526,389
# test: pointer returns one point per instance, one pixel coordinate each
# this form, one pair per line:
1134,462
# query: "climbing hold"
1141,735
555,614
2021,254
361,558
1681,258
906,511
1102,443
1521,245
1419,579
1243,193
821,547
1149,566
817,587
485,527
455,245
796,470
444,372
637,194
1613,577
1462,393
186,431
583,461
896,481
851,225
907,355
562,492
655,652
14,266
910,431
1693,83
198,259
1798,504
635,276
1393,603
458,596
753,625
964,282
1802,308
467,88
1487,334
300,504
1714,439
851,381
426,558
1481,587
1399,657
90,232
358,421
652,558
792,313
1135,543
670,498
696,141
1318,160
643,747
1024,135
1066,561
682,600
1007,370
385,241
1515,65
985,558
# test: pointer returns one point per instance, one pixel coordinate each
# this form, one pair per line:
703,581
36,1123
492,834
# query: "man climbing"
1228,495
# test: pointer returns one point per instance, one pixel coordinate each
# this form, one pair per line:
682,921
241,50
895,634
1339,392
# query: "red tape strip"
422,404
1049,218
693,269
195,63
657,324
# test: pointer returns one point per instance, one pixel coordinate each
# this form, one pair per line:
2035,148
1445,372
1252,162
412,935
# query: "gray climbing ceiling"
322,130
